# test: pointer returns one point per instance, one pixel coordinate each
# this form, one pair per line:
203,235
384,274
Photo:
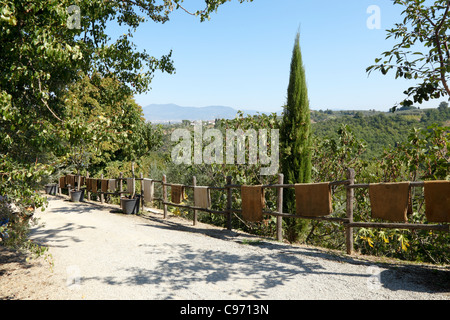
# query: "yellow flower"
368,239
405,245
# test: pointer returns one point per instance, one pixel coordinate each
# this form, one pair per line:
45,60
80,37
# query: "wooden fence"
348,222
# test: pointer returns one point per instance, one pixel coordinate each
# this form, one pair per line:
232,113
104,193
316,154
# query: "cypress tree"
295,141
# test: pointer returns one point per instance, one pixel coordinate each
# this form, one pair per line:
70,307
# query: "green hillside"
377,129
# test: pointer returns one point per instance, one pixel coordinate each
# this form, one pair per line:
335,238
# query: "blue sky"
241,57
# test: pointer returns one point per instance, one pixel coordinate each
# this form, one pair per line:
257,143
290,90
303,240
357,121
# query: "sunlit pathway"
102,254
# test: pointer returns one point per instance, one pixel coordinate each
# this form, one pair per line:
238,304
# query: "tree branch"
45,102
185,10
438,45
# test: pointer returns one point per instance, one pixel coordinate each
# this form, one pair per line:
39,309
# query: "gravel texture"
99,253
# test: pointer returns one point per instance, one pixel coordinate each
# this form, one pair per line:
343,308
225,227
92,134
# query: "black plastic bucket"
51,189
129,206
77,195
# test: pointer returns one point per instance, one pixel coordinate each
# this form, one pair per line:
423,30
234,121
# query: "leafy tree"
424,155
443,106
42,53
103,125
331,158
295,139
46,47
382,130
422,52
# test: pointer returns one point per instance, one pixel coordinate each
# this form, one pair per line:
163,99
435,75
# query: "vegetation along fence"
389,201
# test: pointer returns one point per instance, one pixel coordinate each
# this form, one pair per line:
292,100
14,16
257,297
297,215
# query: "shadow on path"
251,273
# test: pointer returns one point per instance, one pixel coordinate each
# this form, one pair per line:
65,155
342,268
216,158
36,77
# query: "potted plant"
87,122
80,159
130,204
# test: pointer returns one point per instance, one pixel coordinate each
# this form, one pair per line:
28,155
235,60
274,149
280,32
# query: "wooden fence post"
194,183
350,196
164,188
133,188
88,193
280,208
120,189
102,196
120,184
141,175
229,199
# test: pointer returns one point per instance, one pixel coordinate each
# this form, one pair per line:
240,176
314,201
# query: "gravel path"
99,253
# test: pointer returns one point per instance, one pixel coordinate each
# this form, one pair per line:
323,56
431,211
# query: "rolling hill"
157,113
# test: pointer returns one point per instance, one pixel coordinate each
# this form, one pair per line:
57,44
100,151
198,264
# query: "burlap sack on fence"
131,188
313,199
201,197
70,179
390,201
62,182
252,203
148,190
112,185
177,193
94,185
104,185
437,200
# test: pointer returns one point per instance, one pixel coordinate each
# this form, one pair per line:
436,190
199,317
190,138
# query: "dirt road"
99,253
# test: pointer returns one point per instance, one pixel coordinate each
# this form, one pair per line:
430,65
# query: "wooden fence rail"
347,222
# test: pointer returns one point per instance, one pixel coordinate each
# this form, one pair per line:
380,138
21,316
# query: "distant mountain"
157,113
